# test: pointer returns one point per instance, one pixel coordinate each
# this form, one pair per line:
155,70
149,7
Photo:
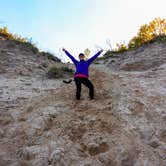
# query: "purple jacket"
82,66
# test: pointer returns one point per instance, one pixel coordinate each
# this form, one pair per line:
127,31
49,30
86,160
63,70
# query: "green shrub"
54,72
66,69
59,72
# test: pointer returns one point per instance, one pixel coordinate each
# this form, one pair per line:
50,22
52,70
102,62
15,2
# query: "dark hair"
81,54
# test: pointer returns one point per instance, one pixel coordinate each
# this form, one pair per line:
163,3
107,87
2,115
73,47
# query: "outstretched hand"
63,49
101,50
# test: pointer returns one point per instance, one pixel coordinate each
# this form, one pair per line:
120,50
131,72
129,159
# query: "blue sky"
78,24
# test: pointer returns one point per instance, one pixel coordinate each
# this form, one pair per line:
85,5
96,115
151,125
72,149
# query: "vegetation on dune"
59,72
27,43
18,39
155,31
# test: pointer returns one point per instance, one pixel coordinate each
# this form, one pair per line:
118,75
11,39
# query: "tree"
147,32
87,53
158,26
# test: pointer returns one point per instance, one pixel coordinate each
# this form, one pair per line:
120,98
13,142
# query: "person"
82,73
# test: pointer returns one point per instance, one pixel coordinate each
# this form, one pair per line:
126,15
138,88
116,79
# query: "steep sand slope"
42,124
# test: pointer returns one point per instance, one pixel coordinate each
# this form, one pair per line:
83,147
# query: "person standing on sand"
82,72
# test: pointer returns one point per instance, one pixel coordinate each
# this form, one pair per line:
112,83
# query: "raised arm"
70,56
94,57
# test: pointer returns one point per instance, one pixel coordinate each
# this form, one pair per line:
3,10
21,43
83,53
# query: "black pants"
87,83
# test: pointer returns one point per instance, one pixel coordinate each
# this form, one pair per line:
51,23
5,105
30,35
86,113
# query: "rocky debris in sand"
57,157
1,133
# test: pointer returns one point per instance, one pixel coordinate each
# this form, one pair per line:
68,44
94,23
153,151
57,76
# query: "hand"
101,50
63,49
